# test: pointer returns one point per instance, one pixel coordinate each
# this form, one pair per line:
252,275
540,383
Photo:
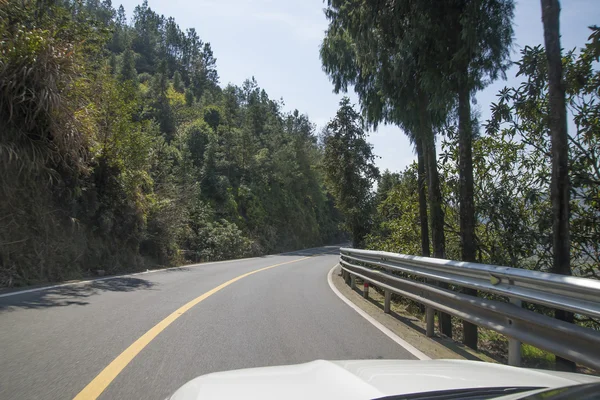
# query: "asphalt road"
54,342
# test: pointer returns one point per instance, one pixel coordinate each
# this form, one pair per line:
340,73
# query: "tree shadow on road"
72,295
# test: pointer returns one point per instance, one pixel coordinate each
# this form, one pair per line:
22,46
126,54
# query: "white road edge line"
403,343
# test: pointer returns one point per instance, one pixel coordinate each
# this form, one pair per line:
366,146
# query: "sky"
277,42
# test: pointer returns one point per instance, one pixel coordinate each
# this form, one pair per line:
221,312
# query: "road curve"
55,342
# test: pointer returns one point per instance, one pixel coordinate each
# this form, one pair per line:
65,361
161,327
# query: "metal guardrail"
579,295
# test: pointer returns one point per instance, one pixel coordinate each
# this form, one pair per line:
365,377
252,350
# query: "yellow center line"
108,374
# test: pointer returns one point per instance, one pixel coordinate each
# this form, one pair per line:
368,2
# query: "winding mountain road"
145,335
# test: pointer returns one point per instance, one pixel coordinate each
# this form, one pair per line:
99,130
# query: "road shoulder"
406,326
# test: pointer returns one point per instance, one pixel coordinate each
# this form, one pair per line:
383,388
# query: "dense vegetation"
511,154
515,190
120,150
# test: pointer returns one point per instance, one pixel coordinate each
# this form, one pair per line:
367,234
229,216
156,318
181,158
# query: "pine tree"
350,169
128,71
178,83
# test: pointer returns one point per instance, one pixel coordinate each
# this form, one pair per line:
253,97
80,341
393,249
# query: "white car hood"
366,379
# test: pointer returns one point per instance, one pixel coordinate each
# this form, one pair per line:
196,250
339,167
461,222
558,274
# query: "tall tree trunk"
422,176
435,198
424,222
467,208
559,184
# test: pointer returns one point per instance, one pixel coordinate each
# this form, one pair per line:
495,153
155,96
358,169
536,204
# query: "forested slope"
121,150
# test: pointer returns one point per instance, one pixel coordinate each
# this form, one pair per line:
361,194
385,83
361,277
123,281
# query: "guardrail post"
366,290
514,346
430,317
387,302
425,280
430,321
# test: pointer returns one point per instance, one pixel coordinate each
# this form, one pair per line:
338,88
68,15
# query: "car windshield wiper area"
471,394
589,391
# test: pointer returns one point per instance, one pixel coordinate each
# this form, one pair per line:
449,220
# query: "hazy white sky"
277,42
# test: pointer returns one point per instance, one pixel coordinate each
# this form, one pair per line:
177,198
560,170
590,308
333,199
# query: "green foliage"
397,218
178,84
121,152
196,136
189,97
387,182
128,72
120,39
350,169
521,114
212,116
385,51
144,77
112,64
49,195
511,160
158,99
